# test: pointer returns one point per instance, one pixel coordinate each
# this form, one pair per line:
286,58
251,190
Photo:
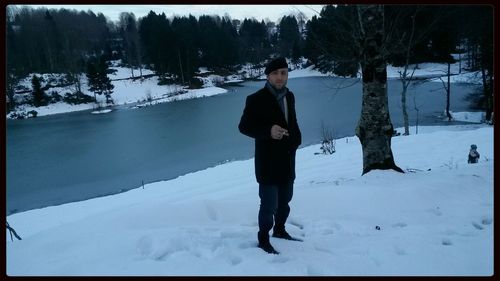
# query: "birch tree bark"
374,128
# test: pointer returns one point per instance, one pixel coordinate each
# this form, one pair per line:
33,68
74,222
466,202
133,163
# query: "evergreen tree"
157,37
39,98
312,48
185,49
13,73
296,54
130,35
254,41
209,39
289,36
229,48
98,80
218,42
331,40
50,40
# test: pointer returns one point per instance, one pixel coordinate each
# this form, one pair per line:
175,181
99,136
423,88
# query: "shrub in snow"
328,141
17,115
32,113
149,98
217,81
77,98
54,97
328,146
452,164
195,83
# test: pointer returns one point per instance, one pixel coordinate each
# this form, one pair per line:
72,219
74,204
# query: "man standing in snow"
269,117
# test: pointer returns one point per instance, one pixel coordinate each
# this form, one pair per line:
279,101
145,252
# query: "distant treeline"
42,40
48,40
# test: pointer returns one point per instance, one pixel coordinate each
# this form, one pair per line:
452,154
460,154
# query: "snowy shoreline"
134,92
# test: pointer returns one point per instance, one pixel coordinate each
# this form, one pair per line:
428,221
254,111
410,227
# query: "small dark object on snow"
377,227
473,154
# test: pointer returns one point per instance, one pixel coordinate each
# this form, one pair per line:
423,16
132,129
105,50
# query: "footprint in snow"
296,223
436,211
486,221
313,270
323,249
477,225
247,245
234,260
144,246
279,259
446,242
173,247
327,231
399,251
399,224
211,211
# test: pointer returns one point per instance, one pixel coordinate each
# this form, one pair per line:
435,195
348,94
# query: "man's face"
278,78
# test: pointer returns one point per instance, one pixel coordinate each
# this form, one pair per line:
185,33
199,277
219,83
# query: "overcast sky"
259,12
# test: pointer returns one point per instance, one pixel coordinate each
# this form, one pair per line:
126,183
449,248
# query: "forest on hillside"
72,42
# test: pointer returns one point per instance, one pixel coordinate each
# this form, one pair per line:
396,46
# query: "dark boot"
264,243
280,232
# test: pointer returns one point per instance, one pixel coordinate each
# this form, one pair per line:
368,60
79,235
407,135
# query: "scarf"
279,94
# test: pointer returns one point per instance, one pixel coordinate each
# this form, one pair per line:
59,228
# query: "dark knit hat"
276,63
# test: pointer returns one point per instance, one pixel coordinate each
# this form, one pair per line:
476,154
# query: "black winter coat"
274,159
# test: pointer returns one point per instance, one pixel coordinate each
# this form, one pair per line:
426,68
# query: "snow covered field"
436,219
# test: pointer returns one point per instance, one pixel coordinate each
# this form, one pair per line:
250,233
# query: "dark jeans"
274,206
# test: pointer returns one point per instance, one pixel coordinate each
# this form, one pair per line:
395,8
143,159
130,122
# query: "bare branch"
12,231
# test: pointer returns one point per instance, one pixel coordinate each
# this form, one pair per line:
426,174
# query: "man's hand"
277,132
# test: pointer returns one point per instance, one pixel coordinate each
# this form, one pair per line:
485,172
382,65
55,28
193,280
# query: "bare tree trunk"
448,93
12,81
405,80
139,57
180,65
417,110
374,129
406,122
447,88
460,62
49,55
474,57
78,83
489,110
488,97
469,55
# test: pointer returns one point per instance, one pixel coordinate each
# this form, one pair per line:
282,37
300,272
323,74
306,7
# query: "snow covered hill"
436,219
